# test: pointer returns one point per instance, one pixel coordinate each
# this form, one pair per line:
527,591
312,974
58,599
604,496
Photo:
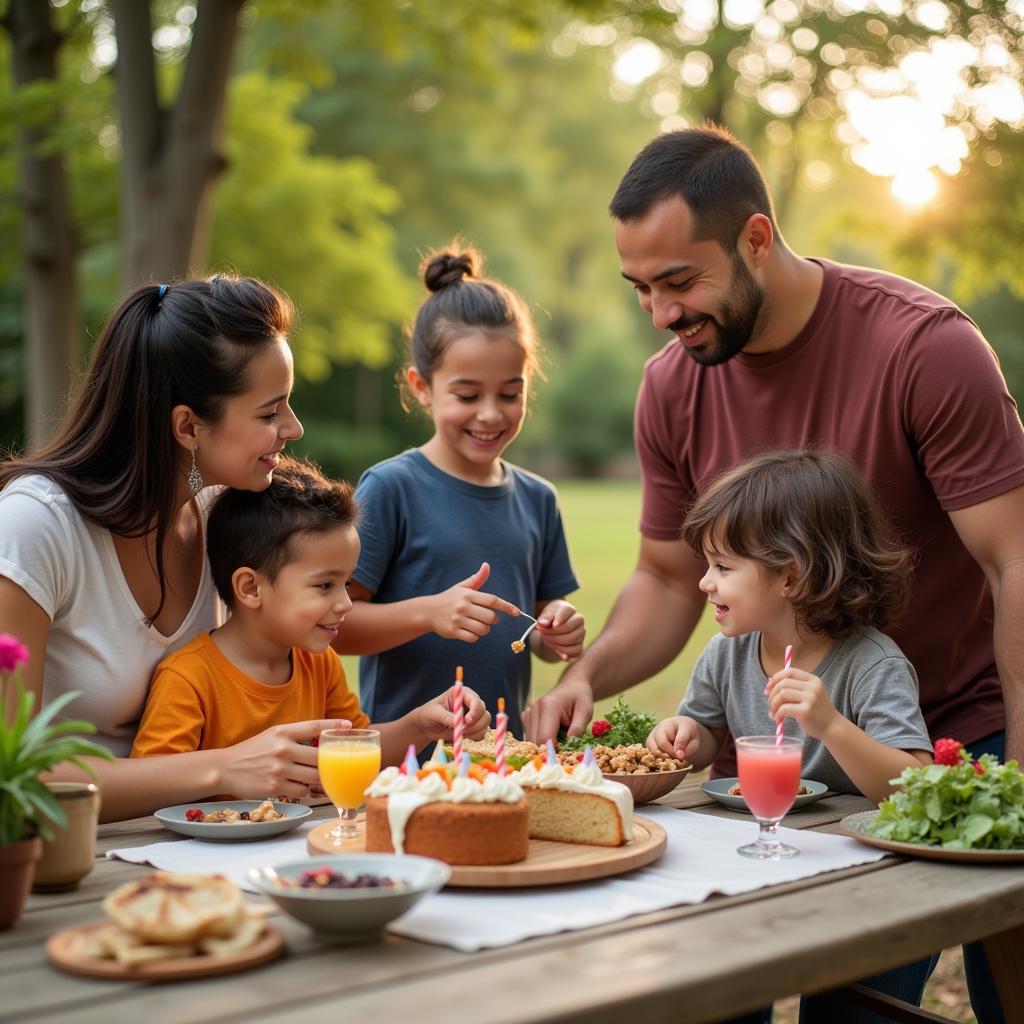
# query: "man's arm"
993,532
653,617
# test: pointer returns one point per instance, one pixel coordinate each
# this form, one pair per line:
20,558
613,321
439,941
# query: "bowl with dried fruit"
350,897
647,776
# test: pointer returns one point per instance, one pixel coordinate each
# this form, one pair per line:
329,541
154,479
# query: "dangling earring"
195,478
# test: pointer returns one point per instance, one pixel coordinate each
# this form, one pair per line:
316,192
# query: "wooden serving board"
547,863
62,951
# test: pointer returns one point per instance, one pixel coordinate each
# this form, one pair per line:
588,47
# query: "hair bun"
445,268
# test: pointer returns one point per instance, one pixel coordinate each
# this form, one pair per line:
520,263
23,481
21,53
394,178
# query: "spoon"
520,645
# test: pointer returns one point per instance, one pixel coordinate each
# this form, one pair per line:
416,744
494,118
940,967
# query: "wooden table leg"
1003,952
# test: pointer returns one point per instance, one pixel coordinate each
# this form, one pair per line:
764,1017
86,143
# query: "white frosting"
407,793
584,779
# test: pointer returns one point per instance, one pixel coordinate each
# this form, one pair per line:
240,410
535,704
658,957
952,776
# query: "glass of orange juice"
348,761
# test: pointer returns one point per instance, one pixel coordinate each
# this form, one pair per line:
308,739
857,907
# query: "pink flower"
12,653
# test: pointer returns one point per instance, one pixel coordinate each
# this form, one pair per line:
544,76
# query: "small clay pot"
17,864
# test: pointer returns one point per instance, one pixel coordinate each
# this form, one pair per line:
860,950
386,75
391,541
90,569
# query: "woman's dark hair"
255,528
811,513
462,300
189,343
709,169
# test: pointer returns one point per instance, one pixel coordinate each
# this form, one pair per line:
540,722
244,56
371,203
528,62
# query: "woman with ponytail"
103,568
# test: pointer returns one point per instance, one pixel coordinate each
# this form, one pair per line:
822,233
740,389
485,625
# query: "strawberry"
600,728
948,752
979,768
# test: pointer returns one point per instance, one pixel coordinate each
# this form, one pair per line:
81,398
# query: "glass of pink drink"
769,771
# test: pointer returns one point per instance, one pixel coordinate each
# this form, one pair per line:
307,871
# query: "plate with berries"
233,821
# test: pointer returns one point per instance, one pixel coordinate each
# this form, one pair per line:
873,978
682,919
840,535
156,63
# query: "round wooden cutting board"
62,950
547,863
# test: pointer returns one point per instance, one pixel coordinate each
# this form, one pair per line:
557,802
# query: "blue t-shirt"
422,531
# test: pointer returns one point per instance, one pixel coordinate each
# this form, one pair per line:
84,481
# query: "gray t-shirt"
422,531
868,679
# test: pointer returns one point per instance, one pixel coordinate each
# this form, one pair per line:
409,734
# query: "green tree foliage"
360,135
319,227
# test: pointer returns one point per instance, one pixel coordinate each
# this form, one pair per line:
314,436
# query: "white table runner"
700,859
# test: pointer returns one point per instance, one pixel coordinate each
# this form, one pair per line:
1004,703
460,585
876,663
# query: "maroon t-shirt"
901,381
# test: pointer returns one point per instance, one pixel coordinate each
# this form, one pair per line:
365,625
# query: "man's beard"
734,326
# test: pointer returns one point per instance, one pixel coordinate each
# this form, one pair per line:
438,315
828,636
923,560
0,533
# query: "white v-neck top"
99,641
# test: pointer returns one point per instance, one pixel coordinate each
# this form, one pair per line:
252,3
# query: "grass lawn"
601,519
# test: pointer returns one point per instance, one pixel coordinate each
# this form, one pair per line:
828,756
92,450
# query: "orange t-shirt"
200,701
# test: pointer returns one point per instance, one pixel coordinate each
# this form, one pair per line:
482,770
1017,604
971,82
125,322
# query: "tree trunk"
170,158
52,325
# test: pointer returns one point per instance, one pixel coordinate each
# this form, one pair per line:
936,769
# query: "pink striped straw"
787,660
500,728
460,712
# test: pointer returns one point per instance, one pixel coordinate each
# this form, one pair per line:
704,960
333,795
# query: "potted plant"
30,746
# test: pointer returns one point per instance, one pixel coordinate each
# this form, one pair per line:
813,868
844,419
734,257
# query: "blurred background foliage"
358,136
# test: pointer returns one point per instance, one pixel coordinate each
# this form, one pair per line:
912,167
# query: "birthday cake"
575,803
479,817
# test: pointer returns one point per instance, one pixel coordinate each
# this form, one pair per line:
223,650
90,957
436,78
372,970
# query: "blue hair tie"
163,291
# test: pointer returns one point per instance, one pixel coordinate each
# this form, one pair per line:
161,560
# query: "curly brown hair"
811,513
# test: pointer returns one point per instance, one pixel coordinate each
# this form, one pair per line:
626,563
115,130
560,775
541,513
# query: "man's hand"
570,705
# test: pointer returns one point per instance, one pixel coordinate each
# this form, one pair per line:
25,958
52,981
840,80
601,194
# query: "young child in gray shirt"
799,555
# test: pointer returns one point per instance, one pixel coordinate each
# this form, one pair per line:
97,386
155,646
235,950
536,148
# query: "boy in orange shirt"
281,560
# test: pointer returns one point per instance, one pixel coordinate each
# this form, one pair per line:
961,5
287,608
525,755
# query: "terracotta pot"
17,865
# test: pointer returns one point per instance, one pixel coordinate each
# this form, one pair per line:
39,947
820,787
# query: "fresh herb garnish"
971,805
627,726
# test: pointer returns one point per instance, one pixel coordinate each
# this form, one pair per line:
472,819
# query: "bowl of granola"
350,897
646,775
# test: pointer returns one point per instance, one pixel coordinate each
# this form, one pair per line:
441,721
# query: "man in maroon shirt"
773,350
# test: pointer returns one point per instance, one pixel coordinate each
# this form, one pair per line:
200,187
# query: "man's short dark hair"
255,528
707,167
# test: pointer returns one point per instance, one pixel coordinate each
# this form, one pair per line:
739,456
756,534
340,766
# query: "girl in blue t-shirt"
456,542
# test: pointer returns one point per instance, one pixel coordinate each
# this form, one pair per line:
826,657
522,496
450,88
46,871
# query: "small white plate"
718,789
225,832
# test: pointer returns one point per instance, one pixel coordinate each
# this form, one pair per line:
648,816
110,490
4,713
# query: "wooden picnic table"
695,963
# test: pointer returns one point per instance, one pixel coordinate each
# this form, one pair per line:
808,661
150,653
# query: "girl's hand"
561,627
464,613
436,718
794,693
678,737
274,762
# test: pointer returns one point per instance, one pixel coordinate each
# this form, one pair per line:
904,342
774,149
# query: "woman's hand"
275,763
465,613
562,629
794,693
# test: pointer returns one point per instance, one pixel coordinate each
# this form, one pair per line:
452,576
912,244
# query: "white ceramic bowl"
353,914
